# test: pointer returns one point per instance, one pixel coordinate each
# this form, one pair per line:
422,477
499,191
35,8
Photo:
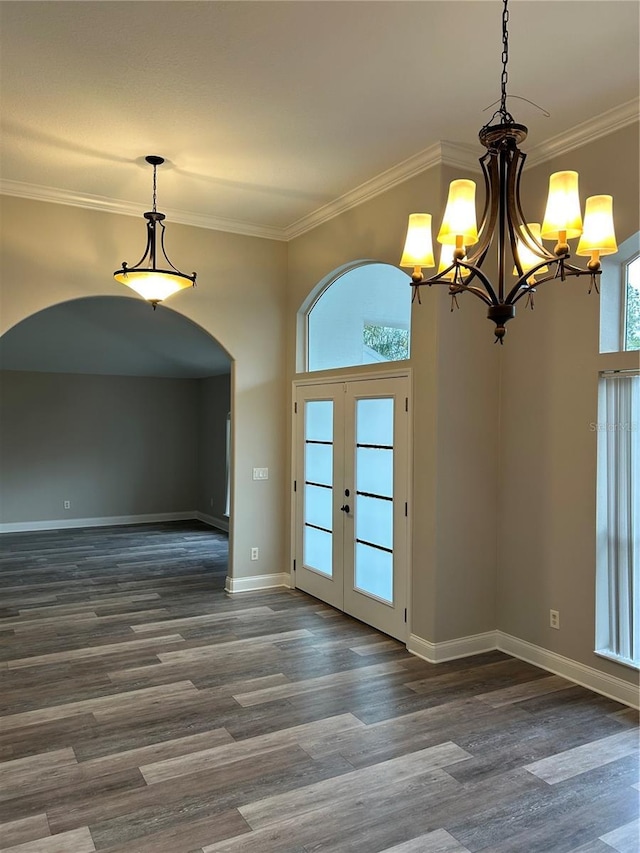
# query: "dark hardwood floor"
146,711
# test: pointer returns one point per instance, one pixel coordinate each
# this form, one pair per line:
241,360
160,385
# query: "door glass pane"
374,521
318,463
319,420
374,493
317,550
318,486
318,502
374,571
375,421
374,471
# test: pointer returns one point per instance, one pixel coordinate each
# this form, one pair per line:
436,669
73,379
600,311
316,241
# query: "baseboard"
580,673
104,521
257,582
213,521
451,649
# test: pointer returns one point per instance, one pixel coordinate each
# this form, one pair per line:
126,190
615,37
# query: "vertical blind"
618,563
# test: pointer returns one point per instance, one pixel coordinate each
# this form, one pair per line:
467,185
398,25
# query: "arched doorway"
113,413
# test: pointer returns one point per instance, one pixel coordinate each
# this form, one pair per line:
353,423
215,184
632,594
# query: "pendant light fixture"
154,283
465,247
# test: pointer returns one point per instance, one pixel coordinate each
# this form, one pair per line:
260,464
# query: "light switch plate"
260,473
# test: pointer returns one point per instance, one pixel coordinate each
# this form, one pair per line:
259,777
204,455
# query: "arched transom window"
363,316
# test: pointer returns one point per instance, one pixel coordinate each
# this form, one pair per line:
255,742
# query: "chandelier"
464,246
146,278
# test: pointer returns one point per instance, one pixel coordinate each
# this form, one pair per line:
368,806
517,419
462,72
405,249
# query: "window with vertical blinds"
618,517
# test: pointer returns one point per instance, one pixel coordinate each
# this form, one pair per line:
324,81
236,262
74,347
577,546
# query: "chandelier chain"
505,59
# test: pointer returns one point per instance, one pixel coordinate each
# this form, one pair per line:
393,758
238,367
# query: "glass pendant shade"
418,247
598,234
153,285
459,223
529,259
562,215
446,260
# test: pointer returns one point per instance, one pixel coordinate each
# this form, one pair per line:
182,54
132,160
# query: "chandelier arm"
487,193
148,249
527,237
514,218
465,288
522,286
488,295
574,273
164,250
457,288
490,214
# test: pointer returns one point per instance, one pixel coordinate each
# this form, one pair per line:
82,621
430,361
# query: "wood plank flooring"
144,710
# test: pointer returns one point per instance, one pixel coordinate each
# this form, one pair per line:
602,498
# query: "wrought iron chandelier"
465,247
148,279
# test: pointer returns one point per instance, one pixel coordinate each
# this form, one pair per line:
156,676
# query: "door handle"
345,508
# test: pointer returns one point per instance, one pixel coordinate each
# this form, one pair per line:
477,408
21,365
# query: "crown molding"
127,208
588,131
450,153
462,156
467,157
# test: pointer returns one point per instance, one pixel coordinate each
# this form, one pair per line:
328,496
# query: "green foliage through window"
632,324
390,342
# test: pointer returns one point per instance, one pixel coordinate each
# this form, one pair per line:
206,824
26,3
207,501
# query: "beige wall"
504,463
214,406
548,452
52,253
455,393
111,445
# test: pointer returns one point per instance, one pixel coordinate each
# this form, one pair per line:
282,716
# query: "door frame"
340,377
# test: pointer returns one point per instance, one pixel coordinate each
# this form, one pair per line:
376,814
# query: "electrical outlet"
67,504
554,619
254,553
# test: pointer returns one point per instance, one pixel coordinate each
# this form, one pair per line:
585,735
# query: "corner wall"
214,405
548,451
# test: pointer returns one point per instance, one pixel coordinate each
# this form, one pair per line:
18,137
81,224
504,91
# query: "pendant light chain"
154,187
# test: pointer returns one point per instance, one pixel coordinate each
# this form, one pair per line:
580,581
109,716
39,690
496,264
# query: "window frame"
608,572
625,263
304,317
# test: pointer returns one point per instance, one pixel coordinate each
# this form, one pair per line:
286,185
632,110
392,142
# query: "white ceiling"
267,111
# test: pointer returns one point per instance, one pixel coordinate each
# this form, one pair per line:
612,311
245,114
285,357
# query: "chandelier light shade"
465,247
418,247
598,235
445,267
528,258
459,227
562,217
154,283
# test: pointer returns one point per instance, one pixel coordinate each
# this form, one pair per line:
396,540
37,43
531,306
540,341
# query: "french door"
351,489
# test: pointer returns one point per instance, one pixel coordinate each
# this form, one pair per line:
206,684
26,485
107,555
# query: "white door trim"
340,377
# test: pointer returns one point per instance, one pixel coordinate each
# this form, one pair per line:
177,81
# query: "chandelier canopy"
152,282
464,246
